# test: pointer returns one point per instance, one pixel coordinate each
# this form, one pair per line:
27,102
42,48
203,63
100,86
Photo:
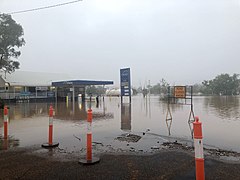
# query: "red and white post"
50,132
89,158
50,143
89,135
5,122
198,145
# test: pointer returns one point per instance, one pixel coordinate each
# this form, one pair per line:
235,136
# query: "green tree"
134,91
199,88
159,88
10,41
223,84
155,89
164,86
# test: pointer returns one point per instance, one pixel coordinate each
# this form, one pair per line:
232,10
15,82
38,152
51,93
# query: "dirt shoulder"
171,163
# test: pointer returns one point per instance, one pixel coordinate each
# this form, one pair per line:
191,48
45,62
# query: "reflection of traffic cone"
5,144
89,158
5,122
198,144
50,143
67,101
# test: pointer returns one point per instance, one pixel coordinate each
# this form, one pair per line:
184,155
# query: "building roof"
80,83
27,78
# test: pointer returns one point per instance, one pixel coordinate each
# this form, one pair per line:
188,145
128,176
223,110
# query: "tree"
199,88
155,89
10,41
159,88
134,91
164,86
223,84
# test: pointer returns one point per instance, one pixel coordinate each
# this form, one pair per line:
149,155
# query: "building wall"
25,92
2,82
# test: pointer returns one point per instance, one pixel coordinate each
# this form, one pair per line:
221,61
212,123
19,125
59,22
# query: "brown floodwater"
145,117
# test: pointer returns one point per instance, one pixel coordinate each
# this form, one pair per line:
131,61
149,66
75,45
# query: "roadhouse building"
23,85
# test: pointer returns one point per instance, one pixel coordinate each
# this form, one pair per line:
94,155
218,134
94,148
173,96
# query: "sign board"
180,91
125,82
25,93
50,94
42,88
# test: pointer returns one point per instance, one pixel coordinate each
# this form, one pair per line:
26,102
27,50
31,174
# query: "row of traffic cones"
50,144
198,144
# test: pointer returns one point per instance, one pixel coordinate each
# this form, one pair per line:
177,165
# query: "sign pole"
125,83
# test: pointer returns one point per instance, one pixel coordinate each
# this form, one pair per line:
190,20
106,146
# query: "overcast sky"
182,41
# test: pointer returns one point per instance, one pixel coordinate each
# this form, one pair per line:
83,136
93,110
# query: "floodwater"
145,117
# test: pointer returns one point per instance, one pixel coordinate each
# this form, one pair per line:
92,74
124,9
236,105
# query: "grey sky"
182,41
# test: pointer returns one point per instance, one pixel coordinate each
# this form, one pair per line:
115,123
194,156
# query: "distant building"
24,85
21,85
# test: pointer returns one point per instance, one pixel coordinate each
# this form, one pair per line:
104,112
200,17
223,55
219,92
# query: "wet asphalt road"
22,164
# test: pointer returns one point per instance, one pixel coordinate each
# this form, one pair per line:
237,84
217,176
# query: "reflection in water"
191,117
147,106
173,107
225,107
5,144
169,118
26,110
29,121
190,124
64,111
169,125
8,143
78,111
101,106
126,116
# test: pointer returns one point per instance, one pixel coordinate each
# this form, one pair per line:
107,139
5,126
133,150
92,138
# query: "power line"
45,7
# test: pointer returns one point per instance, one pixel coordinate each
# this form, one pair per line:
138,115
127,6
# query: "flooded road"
113,122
